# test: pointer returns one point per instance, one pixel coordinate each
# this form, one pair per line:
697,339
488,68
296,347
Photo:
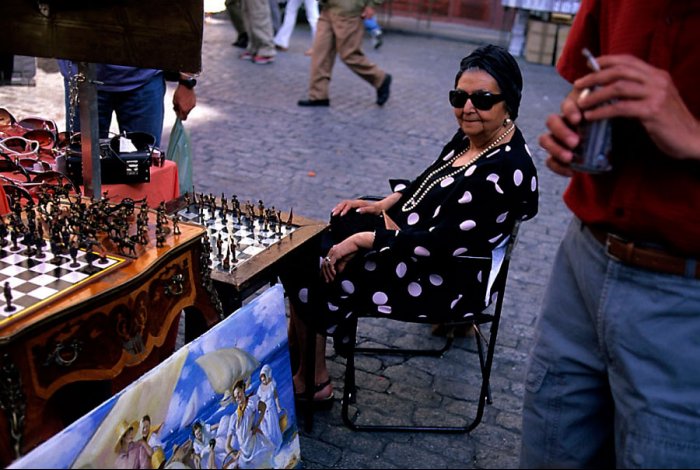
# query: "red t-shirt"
648,196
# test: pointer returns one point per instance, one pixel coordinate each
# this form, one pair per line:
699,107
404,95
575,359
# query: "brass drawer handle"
176,286
64,355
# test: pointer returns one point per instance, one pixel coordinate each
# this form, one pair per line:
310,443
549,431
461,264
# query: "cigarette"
592,63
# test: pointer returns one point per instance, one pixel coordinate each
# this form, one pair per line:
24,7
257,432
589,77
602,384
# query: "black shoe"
325,102
383,90
242,41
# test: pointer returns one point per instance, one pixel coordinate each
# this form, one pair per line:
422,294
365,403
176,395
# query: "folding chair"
490,315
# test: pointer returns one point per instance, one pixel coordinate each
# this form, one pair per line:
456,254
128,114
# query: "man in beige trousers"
340,30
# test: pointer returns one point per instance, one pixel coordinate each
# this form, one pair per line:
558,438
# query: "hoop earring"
506,122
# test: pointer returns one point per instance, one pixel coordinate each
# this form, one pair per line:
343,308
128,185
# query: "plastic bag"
180,151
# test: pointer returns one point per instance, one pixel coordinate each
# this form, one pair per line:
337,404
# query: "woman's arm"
364,206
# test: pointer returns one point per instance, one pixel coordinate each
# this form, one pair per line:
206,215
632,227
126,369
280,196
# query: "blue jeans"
140,109
371,24
614,377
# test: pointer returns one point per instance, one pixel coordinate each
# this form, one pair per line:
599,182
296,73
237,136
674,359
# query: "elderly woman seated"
413,255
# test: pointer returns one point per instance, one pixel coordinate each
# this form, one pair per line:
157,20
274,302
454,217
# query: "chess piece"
39,244
232,248
7,290
14,236
176,224
3,231
219,245
73,250
226,263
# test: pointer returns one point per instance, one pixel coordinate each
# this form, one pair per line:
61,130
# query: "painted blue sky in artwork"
260,328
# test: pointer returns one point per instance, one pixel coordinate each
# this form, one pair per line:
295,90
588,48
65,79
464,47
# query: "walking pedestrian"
340,31
257,18
290,20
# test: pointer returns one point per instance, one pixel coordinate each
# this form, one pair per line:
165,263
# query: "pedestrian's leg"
261,31
322,58
568,409
233,7
349,32
311,10
288,23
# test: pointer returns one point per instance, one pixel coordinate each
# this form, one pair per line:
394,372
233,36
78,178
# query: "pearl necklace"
425,187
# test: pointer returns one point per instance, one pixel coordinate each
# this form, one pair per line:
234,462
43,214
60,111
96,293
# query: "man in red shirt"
609,382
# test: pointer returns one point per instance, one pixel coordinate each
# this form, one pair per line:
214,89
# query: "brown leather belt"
653,259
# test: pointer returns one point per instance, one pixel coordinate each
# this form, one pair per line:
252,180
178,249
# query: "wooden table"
60,361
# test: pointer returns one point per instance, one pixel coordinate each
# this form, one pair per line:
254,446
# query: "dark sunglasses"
482,100
33,123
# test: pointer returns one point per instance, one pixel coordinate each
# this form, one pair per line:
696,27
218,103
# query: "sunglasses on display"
17,147
482,100
34,123
6,118
46,138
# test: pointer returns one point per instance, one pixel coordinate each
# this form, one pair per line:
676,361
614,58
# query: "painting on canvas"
225,400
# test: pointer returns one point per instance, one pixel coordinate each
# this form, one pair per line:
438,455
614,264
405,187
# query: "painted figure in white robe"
251,448
267,392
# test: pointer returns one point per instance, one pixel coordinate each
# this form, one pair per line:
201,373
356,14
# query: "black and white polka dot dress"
435,268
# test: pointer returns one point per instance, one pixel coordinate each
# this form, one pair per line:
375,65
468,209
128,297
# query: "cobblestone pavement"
251,139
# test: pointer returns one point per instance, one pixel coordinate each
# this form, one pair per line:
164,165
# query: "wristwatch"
187,82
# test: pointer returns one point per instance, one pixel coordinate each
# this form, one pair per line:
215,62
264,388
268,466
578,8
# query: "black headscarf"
497,62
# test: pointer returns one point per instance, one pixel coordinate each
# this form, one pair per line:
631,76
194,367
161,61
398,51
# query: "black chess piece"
39,244
14,236
176,224
219,245
226,263
73,251
3,232
7,290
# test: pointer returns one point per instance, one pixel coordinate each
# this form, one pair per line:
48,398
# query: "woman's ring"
327,260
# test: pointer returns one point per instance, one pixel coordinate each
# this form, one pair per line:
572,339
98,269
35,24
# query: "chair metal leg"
350,392
480,341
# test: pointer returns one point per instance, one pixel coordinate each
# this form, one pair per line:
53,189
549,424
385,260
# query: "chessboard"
235,237
32,281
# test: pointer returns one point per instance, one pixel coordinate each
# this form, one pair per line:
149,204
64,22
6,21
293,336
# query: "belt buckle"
625,256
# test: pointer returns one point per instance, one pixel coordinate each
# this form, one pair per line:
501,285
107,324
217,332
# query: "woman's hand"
345,206
339,255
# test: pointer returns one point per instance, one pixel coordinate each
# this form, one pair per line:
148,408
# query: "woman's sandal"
325,402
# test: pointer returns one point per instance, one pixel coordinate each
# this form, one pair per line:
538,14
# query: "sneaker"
383,90
263,59
246,56
281,48
377,39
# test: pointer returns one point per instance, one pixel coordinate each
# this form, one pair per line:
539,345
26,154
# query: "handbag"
341,227
124,158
